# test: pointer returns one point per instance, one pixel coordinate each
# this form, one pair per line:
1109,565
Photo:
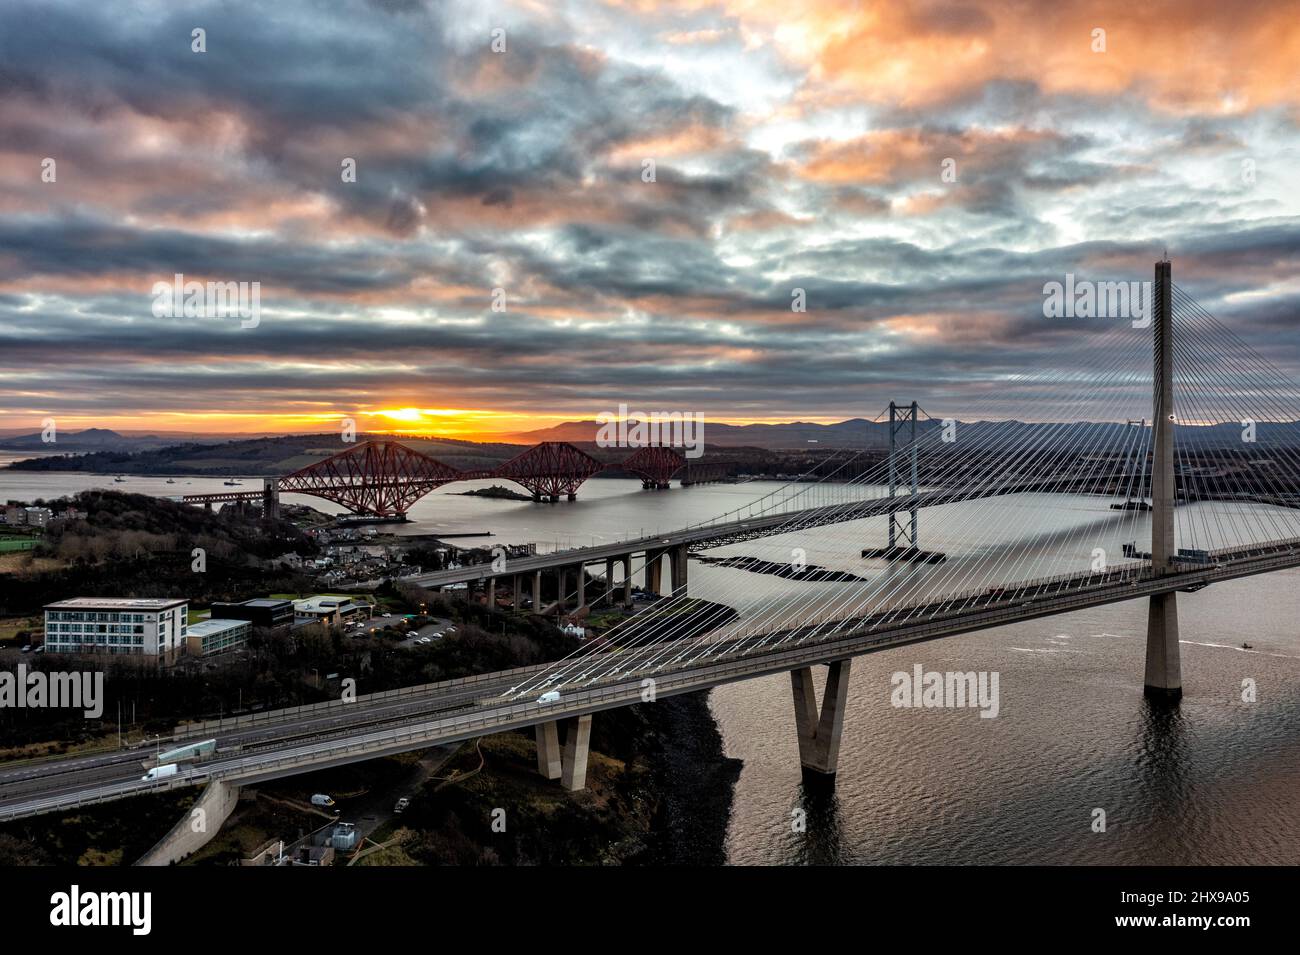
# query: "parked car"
27,648
401,804
425,640
412,633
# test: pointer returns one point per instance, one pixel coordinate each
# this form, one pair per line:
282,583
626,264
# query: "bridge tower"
270,499
1164,679
900,419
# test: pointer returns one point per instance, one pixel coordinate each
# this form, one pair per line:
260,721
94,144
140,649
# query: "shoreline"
695,781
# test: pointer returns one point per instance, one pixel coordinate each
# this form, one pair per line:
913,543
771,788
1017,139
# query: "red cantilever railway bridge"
385,478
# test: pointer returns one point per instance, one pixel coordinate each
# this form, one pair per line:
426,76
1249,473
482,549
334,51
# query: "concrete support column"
627,579
678,561
490,592
548,749
577,742
609,580
819,734
519,593
582,586
537,592
654,569
559,589
1164,679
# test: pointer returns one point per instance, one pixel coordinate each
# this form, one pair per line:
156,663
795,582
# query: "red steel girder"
550,469
656,465
379,477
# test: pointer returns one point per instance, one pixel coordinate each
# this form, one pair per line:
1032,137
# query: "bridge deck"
448,715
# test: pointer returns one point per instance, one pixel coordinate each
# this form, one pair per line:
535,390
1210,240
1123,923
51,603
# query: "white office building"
151,627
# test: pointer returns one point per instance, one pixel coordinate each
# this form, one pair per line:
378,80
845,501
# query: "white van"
161,772
320,799
552,696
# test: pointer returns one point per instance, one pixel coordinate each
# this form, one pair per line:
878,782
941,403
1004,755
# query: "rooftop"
118,603
206,628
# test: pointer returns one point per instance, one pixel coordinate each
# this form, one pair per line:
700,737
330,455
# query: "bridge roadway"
741,529
291,742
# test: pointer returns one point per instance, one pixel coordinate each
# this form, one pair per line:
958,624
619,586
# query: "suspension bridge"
1187,475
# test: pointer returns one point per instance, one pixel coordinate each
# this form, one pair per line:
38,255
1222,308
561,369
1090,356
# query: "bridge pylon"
900,420
903,543
1164,680
820,728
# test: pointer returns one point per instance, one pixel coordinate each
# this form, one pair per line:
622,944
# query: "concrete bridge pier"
1164,675
678,562
548,750
819,732
490,592
654,572
567,764
537,591
559,589
608,596
577,744
516,603
627,580
582,586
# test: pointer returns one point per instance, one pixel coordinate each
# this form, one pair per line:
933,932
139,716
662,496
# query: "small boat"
232,484
1247,646
171,480
119,480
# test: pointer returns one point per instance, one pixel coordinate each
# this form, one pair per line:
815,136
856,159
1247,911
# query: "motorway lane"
67,774
950,617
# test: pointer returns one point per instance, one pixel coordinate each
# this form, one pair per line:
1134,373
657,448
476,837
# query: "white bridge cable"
1279,485
793,525
1084,477
977,574
976,478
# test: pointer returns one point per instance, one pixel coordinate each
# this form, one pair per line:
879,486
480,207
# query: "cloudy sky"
795,145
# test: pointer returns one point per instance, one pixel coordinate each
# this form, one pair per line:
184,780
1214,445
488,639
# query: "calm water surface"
1215,782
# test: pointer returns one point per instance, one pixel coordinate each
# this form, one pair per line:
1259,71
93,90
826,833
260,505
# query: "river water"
1216,782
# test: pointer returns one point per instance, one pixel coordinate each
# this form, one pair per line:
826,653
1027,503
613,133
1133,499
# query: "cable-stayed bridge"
1146,500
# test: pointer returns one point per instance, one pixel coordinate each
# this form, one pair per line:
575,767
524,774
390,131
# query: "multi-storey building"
151,627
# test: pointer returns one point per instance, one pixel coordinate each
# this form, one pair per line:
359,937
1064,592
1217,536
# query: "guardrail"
722,669
207,727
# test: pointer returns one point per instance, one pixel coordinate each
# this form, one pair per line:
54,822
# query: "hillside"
259,456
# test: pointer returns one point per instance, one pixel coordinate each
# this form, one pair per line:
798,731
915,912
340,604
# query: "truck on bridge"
191,753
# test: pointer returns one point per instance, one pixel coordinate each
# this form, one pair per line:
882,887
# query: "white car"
425,640
401,804
551,696
411,633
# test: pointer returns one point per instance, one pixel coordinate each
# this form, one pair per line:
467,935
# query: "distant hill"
91,439
254,457
795,435
857,433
